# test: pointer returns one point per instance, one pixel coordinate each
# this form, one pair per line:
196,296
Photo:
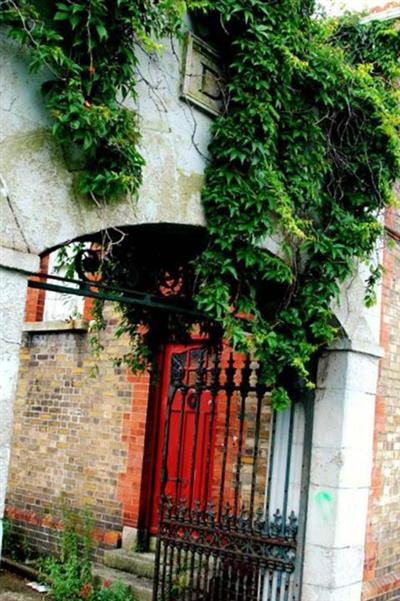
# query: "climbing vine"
306,153
90,52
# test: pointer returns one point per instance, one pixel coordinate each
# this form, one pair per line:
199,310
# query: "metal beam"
113,294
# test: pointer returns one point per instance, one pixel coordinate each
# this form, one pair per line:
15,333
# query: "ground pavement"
14,588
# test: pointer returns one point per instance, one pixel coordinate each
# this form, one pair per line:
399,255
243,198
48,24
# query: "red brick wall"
382,549
34,307
133,436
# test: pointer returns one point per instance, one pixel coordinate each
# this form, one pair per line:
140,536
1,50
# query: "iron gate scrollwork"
219,540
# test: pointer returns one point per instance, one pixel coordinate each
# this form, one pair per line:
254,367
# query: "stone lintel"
40,327
18,261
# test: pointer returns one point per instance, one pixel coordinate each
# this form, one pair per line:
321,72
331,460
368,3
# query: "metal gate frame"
231,551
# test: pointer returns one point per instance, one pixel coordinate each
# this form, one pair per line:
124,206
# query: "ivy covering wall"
307,150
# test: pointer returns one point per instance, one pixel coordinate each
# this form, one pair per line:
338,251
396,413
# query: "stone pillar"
12,304
341,464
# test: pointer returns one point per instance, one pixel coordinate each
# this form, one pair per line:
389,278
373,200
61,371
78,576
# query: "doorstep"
142,588
140,564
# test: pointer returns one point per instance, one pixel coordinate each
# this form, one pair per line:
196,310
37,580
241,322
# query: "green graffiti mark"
323,497
324,501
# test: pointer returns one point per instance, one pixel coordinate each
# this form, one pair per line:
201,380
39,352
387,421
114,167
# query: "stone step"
142,588
140,564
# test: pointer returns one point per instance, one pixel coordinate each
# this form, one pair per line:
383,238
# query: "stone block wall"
75,437
382,550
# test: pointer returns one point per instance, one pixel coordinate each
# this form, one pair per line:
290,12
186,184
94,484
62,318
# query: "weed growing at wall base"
70,576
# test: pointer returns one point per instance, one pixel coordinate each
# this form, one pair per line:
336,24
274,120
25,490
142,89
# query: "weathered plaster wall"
12,304
174,143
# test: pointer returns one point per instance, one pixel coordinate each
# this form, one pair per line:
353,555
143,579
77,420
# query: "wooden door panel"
190,449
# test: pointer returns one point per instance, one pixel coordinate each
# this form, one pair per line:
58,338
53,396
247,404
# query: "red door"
190,432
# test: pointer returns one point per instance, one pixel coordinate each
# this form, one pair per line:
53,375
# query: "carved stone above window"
203,81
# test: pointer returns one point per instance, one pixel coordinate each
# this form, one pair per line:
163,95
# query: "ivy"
307,151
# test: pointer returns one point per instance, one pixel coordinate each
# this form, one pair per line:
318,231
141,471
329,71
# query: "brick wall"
382,551
34,307
84,438
241,432
75,436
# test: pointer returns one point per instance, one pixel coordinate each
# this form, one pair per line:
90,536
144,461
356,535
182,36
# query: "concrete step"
142,588
140,564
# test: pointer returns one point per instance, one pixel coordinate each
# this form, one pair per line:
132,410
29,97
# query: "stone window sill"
74,325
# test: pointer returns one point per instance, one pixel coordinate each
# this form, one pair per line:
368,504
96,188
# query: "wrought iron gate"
222,540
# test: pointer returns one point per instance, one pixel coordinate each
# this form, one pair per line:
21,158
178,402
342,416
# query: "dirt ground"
14,588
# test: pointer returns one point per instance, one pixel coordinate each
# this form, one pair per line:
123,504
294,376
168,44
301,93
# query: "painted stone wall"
382,551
